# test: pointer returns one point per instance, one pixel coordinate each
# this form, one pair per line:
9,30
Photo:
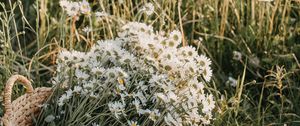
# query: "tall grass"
267,34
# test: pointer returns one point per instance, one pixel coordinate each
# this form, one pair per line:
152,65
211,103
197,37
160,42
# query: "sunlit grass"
267,34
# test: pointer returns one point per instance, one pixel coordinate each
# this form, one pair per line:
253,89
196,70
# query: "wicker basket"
20,111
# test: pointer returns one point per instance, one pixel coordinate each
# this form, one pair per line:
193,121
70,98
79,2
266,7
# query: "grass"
266,33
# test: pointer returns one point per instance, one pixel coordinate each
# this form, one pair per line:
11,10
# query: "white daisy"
69,93
117,108
63,99
207,74
88,86
208,104
136,103
172,96
81,75
64,3
237,56
143,111
203,61
73,9
77,89
232,81
148,8
176,38
101,14
153,115
132,123
173,119
98,71
141,97
85,7
65,55
162,97
187,52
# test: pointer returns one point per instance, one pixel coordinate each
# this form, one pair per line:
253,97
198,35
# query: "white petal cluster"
231,81
117,108
143,73
101,15
148,8
75,8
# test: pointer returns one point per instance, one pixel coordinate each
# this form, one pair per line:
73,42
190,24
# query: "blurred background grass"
266,33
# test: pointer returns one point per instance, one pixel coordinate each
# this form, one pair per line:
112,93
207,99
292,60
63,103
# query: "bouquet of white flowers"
141,77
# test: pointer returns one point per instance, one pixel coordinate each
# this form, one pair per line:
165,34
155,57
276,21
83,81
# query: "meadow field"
156,62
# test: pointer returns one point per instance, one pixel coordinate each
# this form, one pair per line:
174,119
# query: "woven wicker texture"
20,111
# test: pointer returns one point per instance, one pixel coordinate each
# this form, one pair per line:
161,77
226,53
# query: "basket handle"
8,90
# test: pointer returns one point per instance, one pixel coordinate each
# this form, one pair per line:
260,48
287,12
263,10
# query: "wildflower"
77,89
145,70
121,73
170,65
176,37
189,52
153,115
172,96
237,55
208,104
132,123
117,108
144,111
136,103
232,81
65,55
203,61
88,85
207,74
148,8
173,120
73,9
199,85
123,95
162,97
49,118
81,75
101,14
141,97
63,98
127,59
79,57
69,93
193,118
63,3
85,7
135,28
141,85
98,71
